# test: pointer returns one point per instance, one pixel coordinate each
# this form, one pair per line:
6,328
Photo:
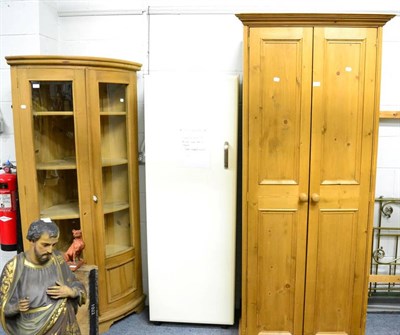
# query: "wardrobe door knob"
303,197
315,197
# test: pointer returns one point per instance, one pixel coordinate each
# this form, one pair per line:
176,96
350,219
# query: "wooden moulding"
389,115
317,19
53,60
384,278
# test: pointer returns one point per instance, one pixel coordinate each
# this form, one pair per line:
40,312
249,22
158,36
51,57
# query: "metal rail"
385,258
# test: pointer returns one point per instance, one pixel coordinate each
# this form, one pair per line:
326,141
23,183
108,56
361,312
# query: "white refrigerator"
191,122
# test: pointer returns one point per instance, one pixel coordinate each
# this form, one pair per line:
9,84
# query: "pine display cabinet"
75,126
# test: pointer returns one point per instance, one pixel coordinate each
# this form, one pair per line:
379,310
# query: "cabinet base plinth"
107,319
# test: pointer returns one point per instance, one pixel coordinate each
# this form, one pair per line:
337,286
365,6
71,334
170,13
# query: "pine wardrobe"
310,121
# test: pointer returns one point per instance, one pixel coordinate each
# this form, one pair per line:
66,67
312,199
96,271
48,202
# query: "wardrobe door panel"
276,275
341,156
279,131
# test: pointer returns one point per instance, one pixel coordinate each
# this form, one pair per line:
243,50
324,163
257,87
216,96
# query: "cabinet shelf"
62,211
71,210
115,207
70,163
48,113
58,164
114,249
113,161
112,113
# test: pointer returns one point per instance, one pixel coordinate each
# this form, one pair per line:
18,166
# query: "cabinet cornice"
54,60
308,19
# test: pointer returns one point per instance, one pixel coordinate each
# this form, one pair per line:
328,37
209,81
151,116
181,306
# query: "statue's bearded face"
43,248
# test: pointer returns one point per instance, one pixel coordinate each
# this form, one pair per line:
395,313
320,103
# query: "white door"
191,159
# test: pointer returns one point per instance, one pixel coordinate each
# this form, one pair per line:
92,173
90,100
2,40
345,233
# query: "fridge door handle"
226,154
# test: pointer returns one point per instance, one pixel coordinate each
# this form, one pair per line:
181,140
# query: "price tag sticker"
5,201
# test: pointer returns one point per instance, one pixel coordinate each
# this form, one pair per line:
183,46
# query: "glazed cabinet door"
278,154
50,126
340,179
113,132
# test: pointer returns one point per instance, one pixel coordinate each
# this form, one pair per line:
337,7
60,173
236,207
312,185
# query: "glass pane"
51,96
55,156
112,98
58,196
113,139
114,155
116,208
54,141
66,237
118,237
58,200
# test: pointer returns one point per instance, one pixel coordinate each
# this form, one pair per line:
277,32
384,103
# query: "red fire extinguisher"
8,209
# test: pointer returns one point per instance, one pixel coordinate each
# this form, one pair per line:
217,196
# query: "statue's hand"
60,291
23,304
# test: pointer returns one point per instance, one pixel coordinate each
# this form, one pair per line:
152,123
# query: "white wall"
388,173
388,167
26,27
190,35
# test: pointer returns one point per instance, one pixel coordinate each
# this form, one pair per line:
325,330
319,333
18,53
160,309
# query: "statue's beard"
42,259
